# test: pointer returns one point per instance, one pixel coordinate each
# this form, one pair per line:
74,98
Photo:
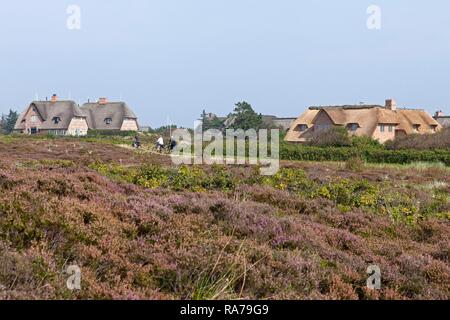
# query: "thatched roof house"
54,116
67,118
443,120
379,122
104,115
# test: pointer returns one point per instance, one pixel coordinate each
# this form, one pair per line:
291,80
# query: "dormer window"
56,120
302,127
416,127
353,127
108,120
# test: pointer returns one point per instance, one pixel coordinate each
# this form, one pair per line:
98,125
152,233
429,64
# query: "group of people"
159,143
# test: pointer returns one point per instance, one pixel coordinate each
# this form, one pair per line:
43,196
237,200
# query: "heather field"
142,228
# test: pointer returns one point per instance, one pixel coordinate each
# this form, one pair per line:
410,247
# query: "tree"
211,121
244,117
8,122
164,130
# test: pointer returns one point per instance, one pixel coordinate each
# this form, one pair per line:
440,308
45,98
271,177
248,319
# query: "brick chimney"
102,101
438,114
391,104
54,98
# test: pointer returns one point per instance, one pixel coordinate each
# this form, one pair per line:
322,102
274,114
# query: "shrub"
293,180
439,140
372,155
333,137
151,176
221,179
188,178
109,133
364,142
257,242
354,164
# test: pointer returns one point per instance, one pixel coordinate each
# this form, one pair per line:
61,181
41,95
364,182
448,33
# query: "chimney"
391,104
102,101
54,98
438,114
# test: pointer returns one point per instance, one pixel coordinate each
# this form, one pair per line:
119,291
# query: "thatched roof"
444,121
48,110
366,116
98,114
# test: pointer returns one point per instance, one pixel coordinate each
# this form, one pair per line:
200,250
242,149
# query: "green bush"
364,142
372,155
221,179
151,176
354,164
333,137
109,133
439,140
188,178
293,180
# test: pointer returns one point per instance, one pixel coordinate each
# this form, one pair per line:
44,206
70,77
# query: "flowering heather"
217,233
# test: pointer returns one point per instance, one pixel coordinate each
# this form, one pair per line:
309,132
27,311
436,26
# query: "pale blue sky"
173,58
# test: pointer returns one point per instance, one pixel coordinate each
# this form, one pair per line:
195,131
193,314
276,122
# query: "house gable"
78,127
322,121
129,125
32,120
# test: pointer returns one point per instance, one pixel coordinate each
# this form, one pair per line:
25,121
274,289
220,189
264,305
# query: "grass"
414,165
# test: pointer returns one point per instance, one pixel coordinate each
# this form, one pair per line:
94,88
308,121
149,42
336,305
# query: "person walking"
160,144
172,144
137,141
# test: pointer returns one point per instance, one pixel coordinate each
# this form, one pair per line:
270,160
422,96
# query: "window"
302,127
56,120
433,128
391,128
381,127
108,120
353,127
33,119
416,127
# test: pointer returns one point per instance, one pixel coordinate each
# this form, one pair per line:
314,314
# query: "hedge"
372,155
99,133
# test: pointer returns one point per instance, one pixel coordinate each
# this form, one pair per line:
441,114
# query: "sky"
170,59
